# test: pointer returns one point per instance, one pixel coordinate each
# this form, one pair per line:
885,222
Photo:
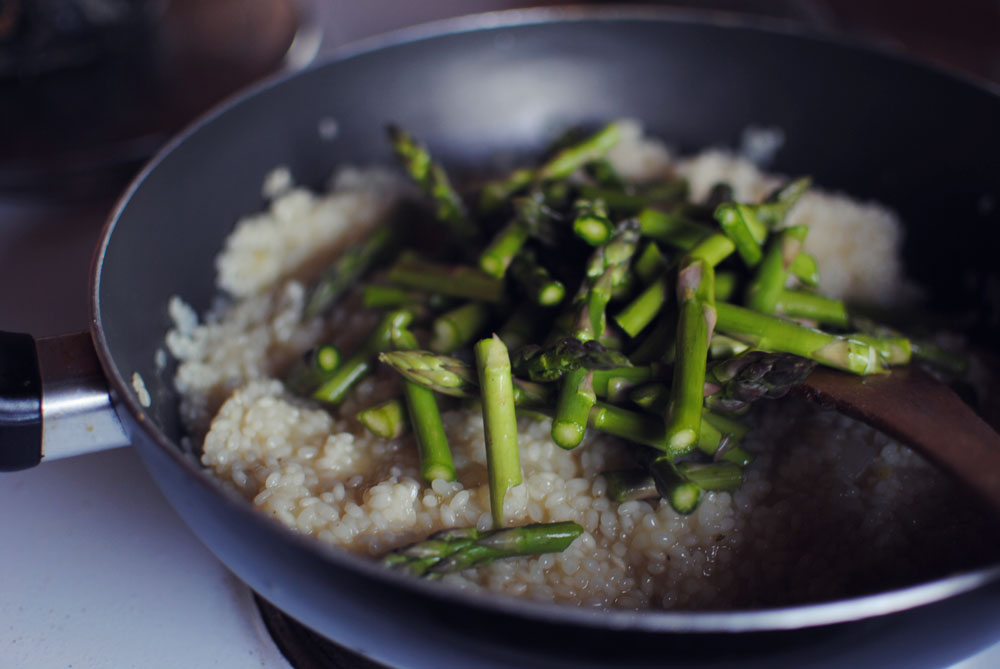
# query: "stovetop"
96,569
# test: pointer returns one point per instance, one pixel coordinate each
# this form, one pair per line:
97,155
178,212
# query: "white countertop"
99,572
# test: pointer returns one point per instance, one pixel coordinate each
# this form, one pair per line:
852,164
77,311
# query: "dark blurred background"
89,89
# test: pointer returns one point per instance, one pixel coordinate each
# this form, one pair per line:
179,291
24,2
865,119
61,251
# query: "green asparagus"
313,369
347,269
450,551
503,462
432,179
335,389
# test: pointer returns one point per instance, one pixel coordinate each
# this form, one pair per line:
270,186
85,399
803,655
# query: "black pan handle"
54,400
20,402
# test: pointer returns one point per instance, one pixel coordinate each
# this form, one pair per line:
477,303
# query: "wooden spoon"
921,412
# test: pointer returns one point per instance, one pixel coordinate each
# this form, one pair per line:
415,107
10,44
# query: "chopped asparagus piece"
313,369
672,229
650,263
805,268
574,157
347,269
643,310
695,295
813,307
425,418
769,333
774,209
576,397
744,230
681,493
455,281
386,419
769,282
628,484
432,179
458,327
732,384
451,551
495,193
591,223
536,281
335,389
552,362
497,256
503,462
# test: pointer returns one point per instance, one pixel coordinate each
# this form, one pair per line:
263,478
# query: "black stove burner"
303,648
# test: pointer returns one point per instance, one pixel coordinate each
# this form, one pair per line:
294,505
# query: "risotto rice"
829,507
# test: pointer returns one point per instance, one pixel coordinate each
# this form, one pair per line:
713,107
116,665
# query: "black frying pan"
871,124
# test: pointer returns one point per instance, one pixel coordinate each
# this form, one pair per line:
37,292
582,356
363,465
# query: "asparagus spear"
346,269
769,333
732,384
650,263
458,327
773,210
643,310
432,179
607,269
550,363
500,420
425,418
813,307
740,224
603,378
456,281
591,222
604,175
892,350
335,389
451,551
451,376
714,477
672,229
630,200
648,430
681,493
682,483
574,157
765,290
377,296
497,256
386,419
496,192
576,397
440,373
313,369
628,484
694,329
805,268
536,281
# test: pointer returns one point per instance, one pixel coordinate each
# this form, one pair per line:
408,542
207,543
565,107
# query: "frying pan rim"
729,621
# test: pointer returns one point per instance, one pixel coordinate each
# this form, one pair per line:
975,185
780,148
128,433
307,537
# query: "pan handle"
54,400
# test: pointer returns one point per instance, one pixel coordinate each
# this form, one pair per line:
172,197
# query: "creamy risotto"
828,508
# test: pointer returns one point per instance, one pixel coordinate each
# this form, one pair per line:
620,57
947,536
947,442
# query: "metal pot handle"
54,400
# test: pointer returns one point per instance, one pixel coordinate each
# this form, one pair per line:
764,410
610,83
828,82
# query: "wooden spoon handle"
918,410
